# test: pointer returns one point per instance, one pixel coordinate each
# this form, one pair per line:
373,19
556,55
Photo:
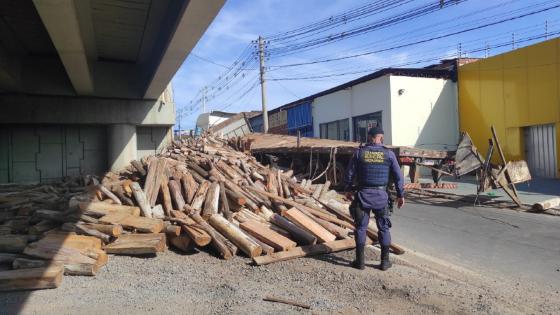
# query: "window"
362,124
335,130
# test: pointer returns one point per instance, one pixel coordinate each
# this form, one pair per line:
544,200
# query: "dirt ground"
202,284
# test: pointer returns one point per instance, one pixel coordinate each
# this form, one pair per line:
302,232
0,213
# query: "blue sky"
242,21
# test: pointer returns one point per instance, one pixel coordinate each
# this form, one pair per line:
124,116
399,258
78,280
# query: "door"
362,124
540,150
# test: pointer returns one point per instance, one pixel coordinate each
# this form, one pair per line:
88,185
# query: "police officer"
373,164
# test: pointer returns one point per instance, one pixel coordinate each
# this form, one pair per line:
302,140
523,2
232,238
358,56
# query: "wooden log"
119,191
141,224
156,173
139,167
302,236
547,204
113,230
199,170
171,230
141,199
224,203
319,213
317,192
192,228
176,194
200,196
32,279
42,227
305,251
181,242
101,209
8,258
212,200
235,235
24,263
237,199
219,242
81,229
267,236
109,194
336,230
310,225
13,243
166,197
286,189
266,249
325,190
157,212
189,187
137,244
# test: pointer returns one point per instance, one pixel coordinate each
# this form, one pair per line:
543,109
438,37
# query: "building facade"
519,94
415,107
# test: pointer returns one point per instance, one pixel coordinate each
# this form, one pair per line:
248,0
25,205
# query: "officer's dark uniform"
373,164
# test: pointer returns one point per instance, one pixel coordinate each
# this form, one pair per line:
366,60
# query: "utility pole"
546,30
263,86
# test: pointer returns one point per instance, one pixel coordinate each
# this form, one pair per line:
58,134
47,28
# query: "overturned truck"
326,159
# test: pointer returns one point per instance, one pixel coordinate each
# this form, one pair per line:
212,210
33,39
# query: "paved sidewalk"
538,189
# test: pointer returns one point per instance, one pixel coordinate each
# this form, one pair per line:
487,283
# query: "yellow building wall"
510,91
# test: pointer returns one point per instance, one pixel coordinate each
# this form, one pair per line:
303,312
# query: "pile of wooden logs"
197,193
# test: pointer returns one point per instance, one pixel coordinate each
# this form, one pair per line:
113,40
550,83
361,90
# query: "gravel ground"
202,284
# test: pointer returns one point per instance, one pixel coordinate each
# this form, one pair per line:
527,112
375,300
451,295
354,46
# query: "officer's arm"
350,171
397,175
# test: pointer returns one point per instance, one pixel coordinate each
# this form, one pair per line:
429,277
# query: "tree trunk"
200,196
235,235
212,201
141,200
267,236
310,225
176,195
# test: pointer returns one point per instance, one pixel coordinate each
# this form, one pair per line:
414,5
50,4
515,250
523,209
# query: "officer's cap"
375,131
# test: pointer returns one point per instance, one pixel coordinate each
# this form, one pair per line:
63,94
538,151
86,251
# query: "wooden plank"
304,251
32,279
267,236
309,224
141,224
103,208
137,244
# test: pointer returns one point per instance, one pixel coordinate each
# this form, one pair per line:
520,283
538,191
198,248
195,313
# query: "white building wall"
364,98
425,113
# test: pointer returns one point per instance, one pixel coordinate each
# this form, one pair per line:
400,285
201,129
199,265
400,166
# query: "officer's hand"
400,202
349,195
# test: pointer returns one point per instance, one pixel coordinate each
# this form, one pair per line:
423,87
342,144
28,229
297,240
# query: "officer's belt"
384,187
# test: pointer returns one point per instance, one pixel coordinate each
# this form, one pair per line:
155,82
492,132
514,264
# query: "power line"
420,41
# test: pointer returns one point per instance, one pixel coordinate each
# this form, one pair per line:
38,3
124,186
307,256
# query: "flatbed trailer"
315,158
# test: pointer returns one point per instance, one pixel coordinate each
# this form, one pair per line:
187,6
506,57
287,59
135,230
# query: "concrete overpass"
84,83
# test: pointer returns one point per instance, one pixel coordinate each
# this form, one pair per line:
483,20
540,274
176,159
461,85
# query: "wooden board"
31,279
308,250
267,236
309,224
137,244
103,208
141,224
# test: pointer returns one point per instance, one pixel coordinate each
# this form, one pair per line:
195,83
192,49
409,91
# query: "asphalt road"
504,243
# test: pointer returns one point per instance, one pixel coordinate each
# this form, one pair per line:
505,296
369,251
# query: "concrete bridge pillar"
122,145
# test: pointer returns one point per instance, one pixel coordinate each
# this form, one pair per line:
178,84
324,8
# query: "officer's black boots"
385,262
359,263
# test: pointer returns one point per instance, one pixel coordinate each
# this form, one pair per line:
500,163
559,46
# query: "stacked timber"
199,193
